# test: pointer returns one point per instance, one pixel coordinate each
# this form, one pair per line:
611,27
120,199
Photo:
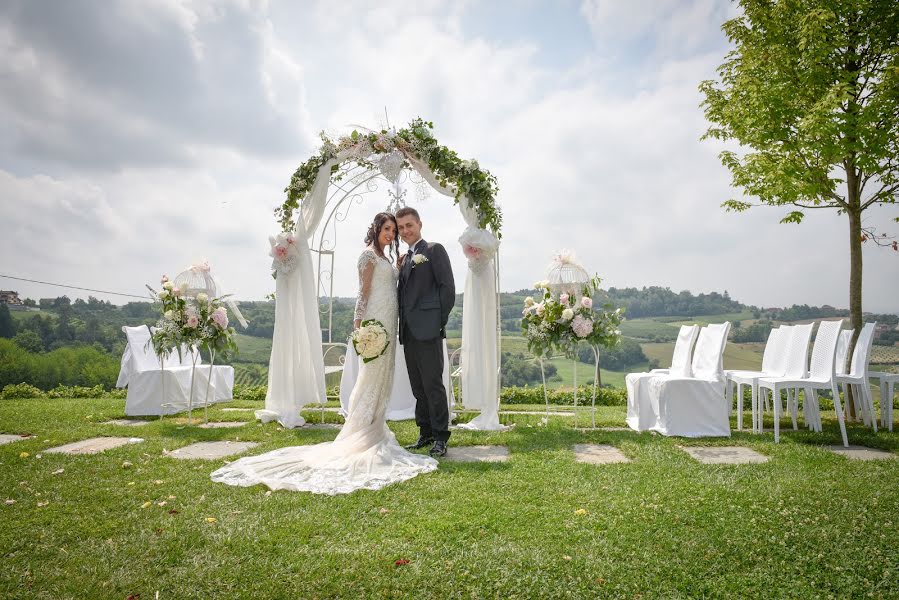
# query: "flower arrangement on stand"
214,335
563,322
188,322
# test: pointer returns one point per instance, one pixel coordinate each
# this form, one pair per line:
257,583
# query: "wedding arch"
296,367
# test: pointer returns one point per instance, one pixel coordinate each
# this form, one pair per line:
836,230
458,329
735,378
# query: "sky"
138,137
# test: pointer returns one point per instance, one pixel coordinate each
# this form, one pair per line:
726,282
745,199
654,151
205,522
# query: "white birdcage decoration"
195,280
566,275
198,278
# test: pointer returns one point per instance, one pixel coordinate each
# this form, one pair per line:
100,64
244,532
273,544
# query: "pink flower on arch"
472,252
280,252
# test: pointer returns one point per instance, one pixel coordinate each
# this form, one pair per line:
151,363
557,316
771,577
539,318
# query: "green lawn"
806,524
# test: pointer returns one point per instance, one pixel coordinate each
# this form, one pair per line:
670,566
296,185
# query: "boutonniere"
418,259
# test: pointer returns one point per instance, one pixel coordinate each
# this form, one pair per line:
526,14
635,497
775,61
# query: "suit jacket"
426,294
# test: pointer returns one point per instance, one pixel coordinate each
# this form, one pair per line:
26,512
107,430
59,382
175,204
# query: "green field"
736,356
565,370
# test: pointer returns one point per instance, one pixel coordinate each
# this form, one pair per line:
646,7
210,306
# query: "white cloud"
115,176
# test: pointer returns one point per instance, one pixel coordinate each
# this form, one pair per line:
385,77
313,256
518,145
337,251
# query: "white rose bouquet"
370,340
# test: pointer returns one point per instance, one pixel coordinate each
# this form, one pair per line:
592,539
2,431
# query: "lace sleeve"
366,268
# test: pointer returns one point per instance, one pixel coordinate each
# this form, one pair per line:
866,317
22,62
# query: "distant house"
10,297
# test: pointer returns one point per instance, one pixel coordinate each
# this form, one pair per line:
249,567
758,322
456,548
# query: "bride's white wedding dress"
365,454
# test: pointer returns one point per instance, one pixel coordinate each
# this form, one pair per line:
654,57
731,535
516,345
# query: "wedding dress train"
365,454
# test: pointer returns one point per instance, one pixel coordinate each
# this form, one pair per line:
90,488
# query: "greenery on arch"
415,141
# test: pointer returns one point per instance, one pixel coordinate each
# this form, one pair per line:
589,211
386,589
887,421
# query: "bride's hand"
357,324
399,262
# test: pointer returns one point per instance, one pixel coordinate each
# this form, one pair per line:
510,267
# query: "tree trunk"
855,282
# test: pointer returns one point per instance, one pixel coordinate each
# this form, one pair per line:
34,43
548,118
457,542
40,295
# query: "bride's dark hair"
374,233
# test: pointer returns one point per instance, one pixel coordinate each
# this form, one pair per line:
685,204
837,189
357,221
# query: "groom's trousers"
424,361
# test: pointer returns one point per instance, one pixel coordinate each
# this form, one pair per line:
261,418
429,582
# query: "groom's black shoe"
439,449
421,443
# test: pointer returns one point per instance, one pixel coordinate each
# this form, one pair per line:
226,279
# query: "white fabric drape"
296,370
479,352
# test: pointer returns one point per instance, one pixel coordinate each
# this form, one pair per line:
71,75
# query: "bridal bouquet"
370,340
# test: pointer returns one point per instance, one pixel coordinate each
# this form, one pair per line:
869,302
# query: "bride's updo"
374,233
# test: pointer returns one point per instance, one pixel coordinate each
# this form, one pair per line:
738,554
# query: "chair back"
796,359
772,348
683,350
842,351
825,349
708,357
779,359
862,353
143,356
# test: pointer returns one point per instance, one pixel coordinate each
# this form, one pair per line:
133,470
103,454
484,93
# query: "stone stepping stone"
126,422
238,409
7,438
222,424
93,445
477,454
599,454
862,453
536,412
724,455
211,450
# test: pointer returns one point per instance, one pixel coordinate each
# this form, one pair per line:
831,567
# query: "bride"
365,454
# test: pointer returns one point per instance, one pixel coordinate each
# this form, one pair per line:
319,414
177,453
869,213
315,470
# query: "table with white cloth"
402,403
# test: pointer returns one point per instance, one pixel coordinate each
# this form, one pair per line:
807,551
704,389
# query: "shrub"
249,392
534,395
77,391
21,390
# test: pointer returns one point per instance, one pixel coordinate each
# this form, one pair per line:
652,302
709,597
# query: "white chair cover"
402,403
695,406
640,416
153,390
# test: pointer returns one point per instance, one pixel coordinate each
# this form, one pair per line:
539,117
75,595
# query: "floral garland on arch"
563,322
389,151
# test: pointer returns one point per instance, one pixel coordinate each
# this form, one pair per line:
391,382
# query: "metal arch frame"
345,194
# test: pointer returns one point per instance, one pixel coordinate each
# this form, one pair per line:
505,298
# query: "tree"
811,91
29,340
7,327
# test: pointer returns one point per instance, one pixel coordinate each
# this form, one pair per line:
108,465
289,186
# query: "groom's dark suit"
426,297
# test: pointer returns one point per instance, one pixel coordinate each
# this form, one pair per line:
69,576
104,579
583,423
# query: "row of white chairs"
786,370
675,401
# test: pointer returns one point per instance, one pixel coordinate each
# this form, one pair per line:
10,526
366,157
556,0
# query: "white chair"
772,366
792,364
158,387
858,375
155,386
886,382
694,406
842,354
639,410
820,376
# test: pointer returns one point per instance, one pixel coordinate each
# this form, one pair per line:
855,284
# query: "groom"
426,296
